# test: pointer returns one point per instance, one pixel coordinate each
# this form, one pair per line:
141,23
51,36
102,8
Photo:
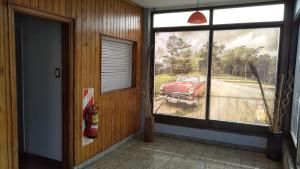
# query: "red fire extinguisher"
91,122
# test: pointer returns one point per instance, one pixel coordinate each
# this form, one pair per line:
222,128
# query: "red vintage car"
186,89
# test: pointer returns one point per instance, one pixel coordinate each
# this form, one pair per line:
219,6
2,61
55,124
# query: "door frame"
67,82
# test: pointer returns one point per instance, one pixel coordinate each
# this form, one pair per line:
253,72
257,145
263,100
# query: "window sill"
229,127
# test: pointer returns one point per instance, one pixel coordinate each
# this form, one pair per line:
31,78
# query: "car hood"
182,87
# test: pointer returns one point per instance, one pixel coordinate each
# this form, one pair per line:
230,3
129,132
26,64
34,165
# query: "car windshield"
188,79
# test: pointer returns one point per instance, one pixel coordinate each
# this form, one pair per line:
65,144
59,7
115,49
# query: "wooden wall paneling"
127,113
12,92
18,1
91,54
42,5
49,6
124,117
129,120
108,112
68,8
74,8
34,4
9,129
107,122
88,148
119,111
132,113
84,42
119,120
26,3
62,7
78,85
106,96
55,7
124,6
4,162
139,67
118,18
104,16
114,117
115,112
93,66
98,63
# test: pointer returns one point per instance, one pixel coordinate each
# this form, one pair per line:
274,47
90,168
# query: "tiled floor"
168,153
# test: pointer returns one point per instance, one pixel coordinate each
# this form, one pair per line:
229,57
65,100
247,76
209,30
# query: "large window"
181,73
235,94
201,72
264,13
175,19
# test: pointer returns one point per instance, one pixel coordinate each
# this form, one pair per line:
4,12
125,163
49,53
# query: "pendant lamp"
197,17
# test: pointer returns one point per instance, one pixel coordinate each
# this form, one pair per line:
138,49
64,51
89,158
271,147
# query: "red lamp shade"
197,18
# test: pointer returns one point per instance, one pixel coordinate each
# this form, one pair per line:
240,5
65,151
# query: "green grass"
162,79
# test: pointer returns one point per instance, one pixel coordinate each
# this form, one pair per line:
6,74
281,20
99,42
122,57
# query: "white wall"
42,90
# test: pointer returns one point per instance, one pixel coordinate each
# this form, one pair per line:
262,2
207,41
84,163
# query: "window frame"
133,66
231,127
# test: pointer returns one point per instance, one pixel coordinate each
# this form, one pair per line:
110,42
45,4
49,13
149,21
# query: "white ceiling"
175,4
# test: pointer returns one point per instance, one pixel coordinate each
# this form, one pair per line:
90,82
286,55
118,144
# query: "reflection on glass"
235,94
176,19
180,73
267,13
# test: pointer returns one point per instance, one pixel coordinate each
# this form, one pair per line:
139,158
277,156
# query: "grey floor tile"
169,153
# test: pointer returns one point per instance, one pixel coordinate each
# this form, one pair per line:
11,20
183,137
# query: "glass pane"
180,73
296,98
266,13
235,94
176,19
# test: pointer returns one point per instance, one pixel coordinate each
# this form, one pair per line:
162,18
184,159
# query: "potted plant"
148,102
275,117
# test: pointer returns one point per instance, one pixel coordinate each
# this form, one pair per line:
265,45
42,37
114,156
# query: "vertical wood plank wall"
119,111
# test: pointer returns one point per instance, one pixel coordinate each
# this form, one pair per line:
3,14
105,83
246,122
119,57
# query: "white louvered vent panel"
116,64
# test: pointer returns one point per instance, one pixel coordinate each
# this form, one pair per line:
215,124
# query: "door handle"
57,73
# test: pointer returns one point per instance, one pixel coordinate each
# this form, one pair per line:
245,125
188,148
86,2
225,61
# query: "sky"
268,38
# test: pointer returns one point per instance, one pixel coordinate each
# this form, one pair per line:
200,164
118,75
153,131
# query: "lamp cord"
198,6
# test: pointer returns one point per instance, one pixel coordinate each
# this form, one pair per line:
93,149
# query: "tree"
236,60
180,54
266,66
218,50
